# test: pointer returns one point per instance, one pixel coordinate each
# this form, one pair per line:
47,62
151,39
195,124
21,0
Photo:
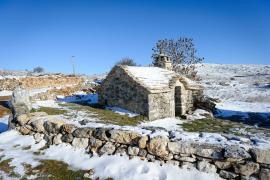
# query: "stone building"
156,92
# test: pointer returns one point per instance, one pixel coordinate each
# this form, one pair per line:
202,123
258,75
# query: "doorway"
177,100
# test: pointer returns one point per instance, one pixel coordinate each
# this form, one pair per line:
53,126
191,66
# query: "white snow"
46,103
78,97
169,124
152,77
122,111
116,167
5,93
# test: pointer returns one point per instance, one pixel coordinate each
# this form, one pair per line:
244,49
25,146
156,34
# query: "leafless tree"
183,54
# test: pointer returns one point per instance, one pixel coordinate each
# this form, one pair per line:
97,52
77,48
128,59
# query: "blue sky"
98,33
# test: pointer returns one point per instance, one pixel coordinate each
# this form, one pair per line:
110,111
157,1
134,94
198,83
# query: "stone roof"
156,79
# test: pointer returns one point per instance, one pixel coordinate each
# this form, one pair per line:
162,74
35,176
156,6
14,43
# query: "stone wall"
34,82
119,89
230,162
161,105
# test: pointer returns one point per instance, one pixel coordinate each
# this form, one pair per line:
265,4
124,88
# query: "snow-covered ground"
241,89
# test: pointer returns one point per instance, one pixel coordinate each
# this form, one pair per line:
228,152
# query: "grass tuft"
50,110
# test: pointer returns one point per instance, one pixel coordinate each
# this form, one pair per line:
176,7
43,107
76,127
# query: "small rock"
142,142
227,174
80,142
206,167
24,130
120,150
101,134
95,144
187,159
133,151
223,164
150,157
142,153
265,174
38,137
246,169
107,148
182,147
53,126
124,137
67,138
57,139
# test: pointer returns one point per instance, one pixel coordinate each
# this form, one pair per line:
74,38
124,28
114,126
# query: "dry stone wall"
34,82
230,162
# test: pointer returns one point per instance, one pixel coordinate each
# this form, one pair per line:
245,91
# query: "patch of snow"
5,93
89,98
170,124
116,167
46,103
152,77
122,111
121,167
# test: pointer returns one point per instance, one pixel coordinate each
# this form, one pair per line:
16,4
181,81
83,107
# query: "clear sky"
98,33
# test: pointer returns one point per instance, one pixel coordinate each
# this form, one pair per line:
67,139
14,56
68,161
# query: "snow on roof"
151,77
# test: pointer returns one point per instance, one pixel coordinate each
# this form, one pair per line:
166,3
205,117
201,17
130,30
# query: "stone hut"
156,92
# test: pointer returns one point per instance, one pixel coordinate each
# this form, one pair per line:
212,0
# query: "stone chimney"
164,61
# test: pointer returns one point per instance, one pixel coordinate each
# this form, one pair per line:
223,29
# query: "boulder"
209,151
23,119
53,126
133,151
246,169
227,174
235,153
37,125
158,146
107,148
80,143
265,174
182,147
205,166
85,132
261,155
101,134
124,137
142,142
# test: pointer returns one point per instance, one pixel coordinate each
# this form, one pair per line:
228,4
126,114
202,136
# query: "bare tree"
183,55
126,61
38,69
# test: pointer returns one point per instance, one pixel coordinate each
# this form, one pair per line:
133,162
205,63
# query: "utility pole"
73,64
